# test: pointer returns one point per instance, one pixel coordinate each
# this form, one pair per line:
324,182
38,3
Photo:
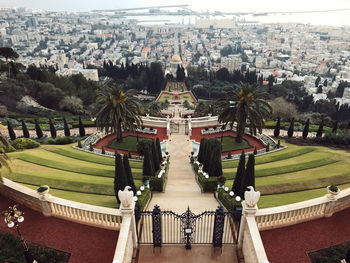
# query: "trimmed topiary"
255,150
79,144
39,132
278,144
306,129
229,156
103,150
148,168
155,157
249,175
12,134
66,128
128,172
120,180
320,130
81,128
236,187
52,129
267,147
276,132
291,129
25,143
25,130
91,148
159,150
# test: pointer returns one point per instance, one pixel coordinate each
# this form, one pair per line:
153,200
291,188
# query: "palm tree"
117,111
245,104
3,157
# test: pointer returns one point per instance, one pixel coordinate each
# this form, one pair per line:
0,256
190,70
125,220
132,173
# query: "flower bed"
11,251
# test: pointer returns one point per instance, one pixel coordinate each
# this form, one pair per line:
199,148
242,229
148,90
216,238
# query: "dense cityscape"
166,134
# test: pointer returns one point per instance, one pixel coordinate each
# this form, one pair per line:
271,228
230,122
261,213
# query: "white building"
232,62
215,23
89,74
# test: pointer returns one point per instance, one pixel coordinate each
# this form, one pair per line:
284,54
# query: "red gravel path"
161,134
197,136
291,244
86,244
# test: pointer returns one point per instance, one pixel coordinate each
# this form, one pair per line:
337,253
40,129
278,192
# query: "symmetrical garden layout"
288,176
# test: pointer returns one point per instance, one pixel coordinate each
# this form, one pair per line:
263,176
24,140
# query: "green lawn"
165,97
70,173
296,174
128,144
229,144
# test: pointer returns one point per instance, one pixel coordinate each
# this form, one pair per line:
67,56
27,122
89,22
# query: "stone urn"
43,191
333,191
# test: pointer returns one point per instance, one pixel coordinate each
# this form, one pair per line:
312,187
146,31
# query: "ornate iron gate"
166,227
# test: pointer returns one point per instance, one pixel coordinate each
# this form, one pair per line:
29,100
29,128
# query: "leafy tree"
306,129
276,132
39,132
155,157
249,175
223,74
159,150
8,53
81,128
236,187
249,106
291,129
12,134
335,127
320,130
118,111
148,169
25,130
52,129
71,104
4,144
120,180
66,128
128,172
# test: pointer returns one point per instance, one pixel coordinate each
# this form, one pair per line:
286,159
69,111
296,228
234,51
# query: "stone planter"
43,191
331,194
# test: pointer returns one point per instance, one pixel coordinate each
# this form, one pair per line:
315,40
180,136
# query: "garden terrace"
131,143
295,174
71,174
251,142
81,241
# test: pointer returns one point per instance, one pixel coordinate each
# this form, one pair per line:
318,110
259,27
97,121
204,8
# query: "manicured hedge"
25,143
60,140
142,199
227,201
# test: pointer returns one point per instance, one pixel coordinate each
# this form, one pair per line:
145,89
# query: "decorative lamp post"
13,217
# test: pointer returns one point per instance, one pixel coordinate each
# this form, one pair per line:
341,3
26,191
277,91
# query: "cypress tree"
348,127
236,187
215,169
25,130
155,157
103,151
81,128
276,132
52,129
306,129
148,169
249,175
200,151
66,128
320,130
12,134
120,180
159,150
291,129
335,127
38,130
128,172
206,155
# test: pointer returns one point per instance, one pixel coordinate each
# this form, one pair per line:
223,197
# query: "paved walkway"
182,189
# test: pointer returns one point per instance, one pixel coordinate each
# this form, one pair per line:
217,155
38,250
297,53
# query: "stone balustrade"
296,213
49,205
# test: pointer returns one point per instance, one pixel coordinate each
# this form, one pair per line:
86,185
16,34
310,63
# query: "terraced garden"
72,174
296,174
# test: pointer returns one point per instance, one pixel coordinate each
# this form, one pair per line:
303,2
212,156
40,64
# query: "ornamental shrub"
128,173
148,168
81,128
25,143
79,144
103,150
320,130
229,156
39,132
12,134
155,157
291,129
120,180
249,176
278,144
267,147
66,128
52,129
61,140
143,145
255,150
91,148
129,155
276,132
306,129
25,130
236,187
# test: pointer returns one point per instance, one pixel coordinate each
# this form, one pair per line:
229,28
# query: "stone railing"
96,216
287,215
147,131
92,139
214,131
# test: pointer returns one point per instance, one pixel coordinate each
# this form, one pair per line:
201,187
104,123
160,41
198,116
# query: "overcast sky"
220,5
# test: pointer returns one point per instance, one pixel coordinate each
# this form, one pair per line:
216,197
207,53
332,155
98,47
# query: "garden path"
182,189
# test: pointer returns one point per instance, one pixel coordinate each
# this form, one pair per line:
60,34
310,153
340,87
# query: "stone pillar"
332,201
45,199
